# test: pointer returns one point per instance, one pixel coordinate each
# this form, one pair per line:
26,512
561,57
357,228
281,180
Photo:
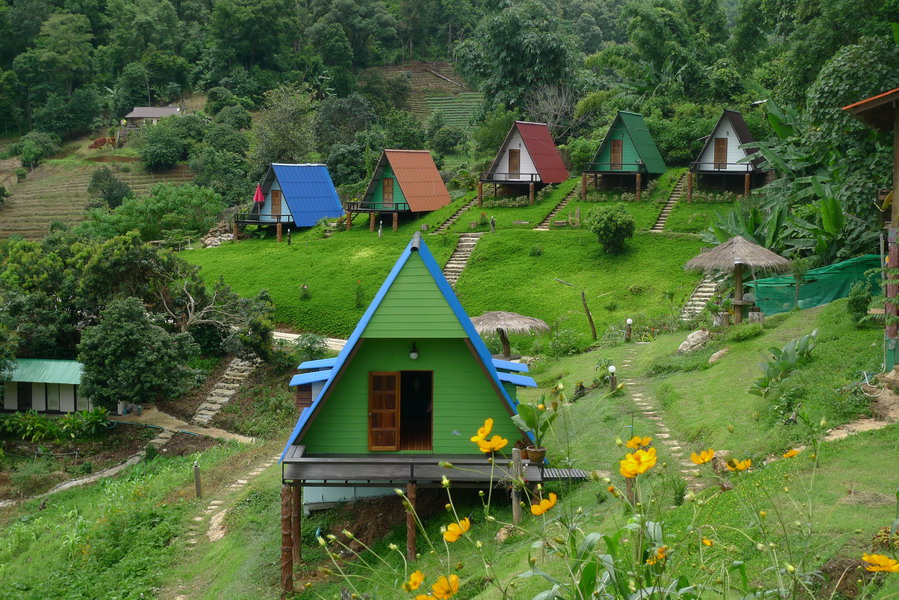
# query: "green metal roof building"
44,385
627,148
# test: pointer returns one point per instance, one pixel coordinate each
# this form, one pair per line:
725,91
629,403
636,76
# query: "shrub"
21,173
3,194
311,347
161,147
613,225
108,188
218,99
744,332
234,116
859,301
447,139
36,146
536,250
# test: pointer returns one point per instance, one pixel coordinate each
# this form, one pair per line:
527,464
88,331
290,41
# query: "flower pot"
536,454
524,454
122,408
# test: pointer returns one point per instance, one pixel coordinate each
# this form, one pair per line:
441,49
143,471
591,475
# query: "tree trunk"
504,340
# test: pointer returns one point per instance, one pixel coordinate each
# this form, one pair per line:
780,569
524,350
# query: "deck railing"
512,177
715,165
614,167
255,217
361,206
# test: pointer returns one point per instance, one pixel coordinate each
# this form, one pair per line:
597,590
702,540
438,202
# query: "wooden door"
514,163
617,154
276,204
720,153
388,191
384,411
24,393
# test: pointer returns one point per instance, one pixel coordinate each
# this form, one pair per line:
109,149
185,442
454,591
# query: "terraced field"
457,110
437,86
57,191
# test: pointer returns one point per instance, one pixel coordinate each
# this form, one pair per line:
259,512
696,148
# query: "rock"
694,341
718,355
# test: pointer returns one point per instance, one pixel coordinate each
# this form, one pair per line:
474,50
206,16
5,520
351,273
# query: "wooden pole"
480,193
411,526
371,222
396,221
494,190
279,232
892,307
638,186
738,294
597,178
583,186
349,220
531,194
504,341
234,232
197,480
746,181
589,316
286,543
689,187
296,521
516,490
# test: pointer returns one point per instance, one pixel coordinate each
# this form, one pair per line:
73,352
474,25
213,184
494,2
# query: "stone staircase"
459,258
676,194
454,217
223,391
701,295
545,223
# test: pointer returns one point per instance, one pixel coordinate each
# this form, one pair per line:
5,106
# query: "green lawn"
528,216
695,217
645,213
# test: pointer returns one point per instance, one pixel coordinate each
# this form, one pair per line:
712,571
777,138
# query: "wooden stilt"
638,186
689,187
892,306
516,491
494,190
411,526
349,220
531,194
396,221
371,222
597,178
296,521
286,543
480,193
583,186
279,232
746,185
738,294
234,232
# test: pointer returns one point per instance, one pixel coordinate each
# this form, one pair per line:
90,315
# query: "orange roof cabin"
724,159
528,159
404,181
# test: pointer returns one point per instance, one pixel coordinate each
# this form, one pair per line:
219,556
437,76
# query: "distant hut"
528,159
301,195
44,385
627,152
404,181
149,114
722,155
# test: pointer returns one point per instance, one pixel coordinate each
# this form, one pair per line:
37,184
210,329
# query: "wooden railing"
605,167
512,177
714,165
255,217
358,206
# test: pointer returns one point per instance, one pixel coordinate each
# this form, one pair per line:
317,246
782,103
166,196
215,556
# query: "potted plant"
536,420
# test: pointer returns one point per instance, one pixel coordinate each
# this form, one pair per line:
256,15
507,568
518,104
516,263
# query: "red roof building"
528,155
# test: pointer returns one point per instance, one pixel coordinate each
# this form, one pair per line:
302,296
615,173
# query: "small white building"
45,385
723,156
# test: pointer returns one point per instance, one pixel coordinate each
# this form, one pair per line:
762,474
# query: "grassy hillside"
430,92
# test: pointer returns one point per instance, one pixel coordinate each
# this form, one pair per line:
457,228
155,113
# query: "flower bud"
489,518
763,514
760,547
607,480
481,493
478,544
823,422
730,428
448,507
532,561
790,568
618,442
398,491
393,547
445,482
445,464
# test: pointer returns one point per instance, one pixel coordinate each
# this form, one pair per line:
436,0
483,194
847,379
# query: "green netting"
778,294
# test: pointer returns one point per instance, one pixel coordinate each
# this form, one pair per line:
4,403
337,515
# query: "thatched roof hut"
503,323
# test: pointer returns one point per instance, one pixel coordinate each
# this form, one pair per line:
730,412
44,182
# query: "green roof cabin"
404,181
627,153
44,385
724,161
412,385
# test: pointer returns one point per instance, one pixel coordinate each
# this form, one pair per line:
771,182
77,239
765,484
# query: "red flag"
258,197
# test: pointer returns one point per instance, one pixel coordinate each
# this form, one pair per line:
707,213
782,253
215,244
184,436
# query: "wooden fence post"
531,194
371,222
583,186
396,221
197,480
638,186
516,491
746,185
235,233
286,543
411,526
279,231
296,521
349,220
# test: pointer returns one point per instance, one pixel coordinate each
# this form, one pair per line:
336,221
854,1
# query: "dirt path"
155,418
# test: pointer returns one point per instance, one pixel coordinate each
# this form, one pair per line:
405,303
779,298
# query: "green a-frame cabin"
627,152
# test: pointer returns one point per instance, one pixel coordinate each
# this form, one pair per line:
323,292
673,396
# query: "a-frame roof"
642,140
538,142
417,176
335,369
741,130
877,112
307,190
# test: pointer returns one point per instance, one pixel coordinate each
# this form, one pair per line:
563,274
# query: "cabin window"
617,154
304,396
720,153
400,410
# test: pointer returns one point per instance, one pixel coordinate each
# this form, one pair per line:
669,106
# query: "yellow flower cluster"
456,530
703,457
493,444
791,453
658,556
878,563
739,465
445,587
638,463
545,505
638,442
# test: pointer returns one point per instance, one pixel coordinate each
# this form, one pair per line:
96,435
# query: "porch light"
630,321
413,354
627,330
613,381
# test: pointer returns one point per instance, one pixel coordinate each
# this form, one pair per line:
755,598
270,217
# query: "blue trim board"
510,366
520,380
324,363
304,378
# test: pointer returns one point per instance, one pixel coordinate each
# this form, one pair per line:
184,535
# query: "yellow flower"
880,563
638,442
541,407
492,445
707,542
792,453
739,465
484,431
545,505
415,580
638,463
659,555
455,530
703,457
446,587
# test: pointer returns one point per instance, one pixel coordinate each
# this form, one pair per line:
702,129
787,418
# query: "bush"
447,139
859,301
311,347
748,331
3,194
235,116
613,226
34,147
218,99
108,188
161,147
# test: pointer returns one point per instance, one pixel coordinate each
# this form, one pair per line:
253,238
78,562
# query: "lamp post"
613,381
627,329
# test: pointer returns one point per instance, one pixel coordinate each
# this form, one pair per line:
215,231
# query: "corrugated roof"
152,112
308,192
741,130
416,245
642,140
46,370
419,179
542,150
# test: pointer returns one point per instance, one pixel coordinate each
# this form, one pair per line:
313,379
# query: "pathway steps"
224,390
454,217
676,194
545,223
700,297
459,258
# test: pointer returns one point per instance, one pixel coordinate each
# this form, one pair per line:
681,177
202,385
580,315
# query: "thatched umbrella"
503,323
732,256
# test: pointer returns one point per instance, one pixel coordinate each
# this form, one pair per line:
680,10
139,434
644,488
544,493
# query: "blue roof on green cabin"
47,370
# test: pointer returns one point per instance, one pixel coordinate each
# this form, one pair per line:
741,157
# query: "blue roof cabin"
298,195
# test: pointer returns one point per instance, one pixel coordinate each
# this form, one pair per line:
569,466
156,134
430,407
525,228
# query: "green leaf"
587,582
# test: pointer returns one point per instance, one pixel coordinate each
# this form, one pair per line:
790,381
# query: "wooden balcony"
721,167
254,218
509,178
379,207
